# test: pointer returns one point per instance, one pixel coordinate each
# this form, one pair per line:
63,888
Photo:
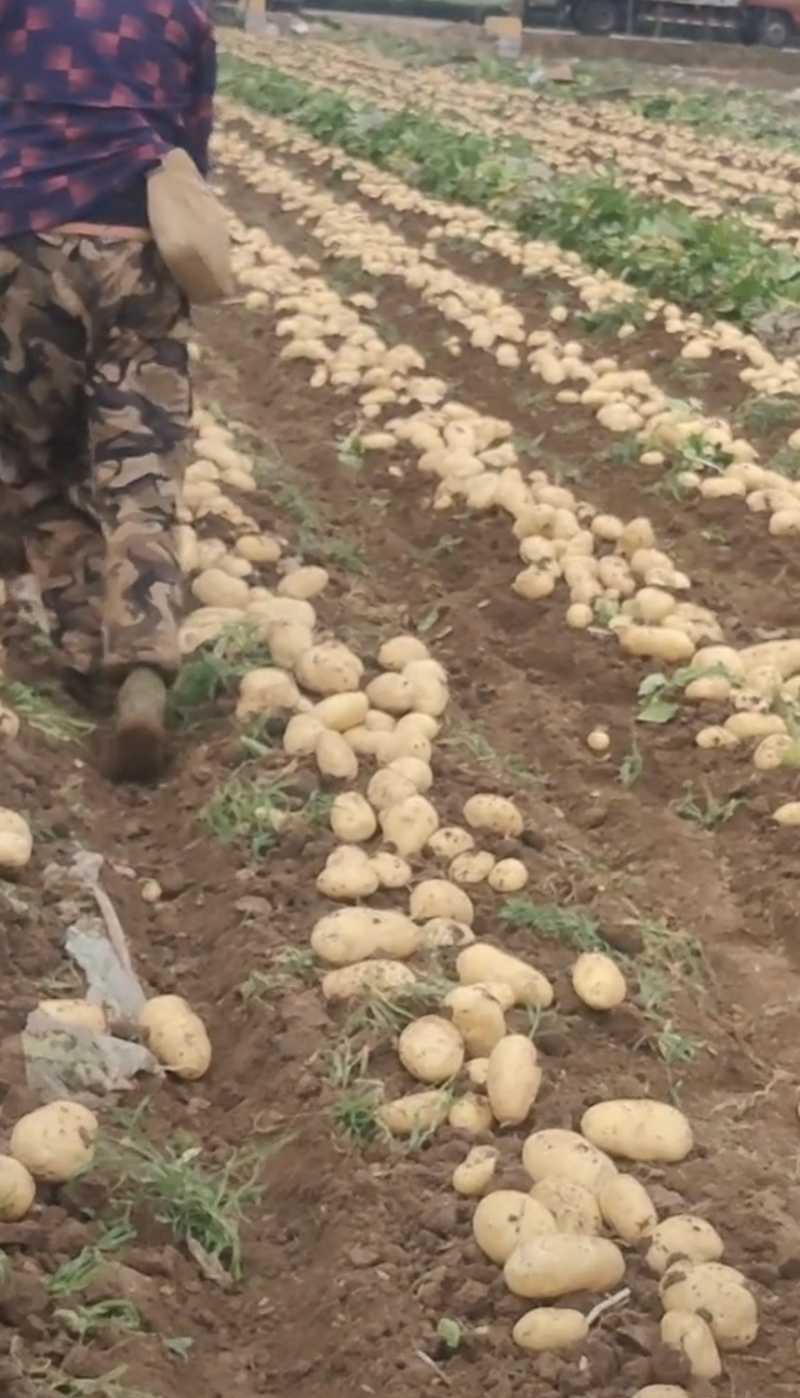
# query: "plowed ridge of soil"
354,1254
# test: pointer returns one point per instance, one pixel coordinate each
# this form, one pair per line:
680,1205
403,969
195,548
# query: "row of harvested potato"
558,531
678,169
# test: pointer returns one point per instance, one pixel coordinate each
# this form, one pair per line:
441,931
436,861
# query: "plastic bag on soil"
67,1060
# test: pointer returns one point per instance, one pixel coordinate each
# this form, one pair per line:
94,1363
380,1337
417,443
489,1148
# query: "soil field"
254,1233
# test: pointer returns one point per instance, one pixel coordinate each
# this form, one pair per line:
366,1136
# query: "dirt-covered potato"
639,1129
415,1112
478,1017
691,1337
494,813
352,818
482,962
440,898
54,1142
471,1114
348,982
176,1036
681,1238
717,1293
546,1267
356,934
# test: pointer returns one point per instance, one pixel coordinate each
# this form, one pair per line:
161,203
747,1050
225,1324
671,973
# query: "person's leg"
43,439
139,409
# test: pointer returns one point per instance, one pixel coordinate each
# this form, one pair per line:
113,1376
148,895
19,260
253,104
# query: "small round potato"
54,1142
431,1049
598,981
503,1218
475,1173
683,1238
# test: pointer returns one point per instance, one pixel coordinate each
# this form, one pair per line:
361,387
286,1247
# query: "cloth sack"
188,224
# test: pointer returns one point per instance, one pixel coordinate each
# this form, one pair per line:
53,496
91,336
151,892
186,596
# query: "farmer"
95,398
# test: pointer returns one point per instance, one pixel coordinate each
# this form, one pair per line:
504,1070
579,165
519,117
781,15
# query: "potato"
598,981
471,1114
566,1155
364,977
508,876
78,1012
513,1079
478,1017
304,583
348,875
216,588
639,1129
392,871
392,693
176,1036
388,788
16,840
503,1217
54,1142
473,866
494,813
549,1328
440,898
265,691
627,1208
414,770
475,1173
352,818
400,651
431,1049
329,667
342,711
662,1390
301,735
355,934
445,932
428,687
683,1238
409,825
726,1305
334,756
287,641
689,1335
573,1207
478,1071
482,962
543,1268
17,1190
450,841
416,1113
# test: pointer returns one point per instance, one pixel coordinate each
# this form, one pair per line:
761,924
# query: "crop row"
618,580
717,265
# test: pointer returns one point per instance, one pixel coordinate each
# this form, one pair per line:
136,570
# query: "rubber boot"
139,740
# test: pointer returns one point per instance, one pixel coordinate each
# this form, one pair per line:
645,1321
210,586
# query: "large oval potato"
503,1218
639,1129
573,1207
513,1079
627,1208
545,1267
689,1335
566,1155
54,1142
481,962
478,1018
494,813
176,1036
727,1306
431,1049
598,981
549,1328
681,1238
356,934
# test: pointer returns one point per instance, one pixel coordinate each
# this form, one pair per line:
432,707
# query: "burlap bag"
188,225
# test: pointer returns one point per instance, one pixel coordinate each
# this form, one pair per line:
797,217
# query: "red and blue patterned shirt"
93,93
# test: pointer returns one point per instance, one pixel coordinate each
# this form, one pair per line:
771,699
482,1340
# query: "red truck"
743,21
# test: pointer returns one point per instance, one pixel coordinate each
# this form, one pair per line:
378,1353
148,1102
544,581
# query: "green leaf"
449,1333
658,711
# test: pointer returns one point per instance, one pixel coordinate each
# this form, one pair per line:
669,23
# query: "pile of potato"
569,1232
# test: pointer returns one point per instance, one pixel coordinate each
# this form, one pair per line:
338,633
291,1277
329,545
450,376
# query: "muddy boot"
139,739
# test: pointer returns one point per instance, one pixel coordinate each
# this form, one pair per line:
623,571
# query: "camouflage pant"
95,402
